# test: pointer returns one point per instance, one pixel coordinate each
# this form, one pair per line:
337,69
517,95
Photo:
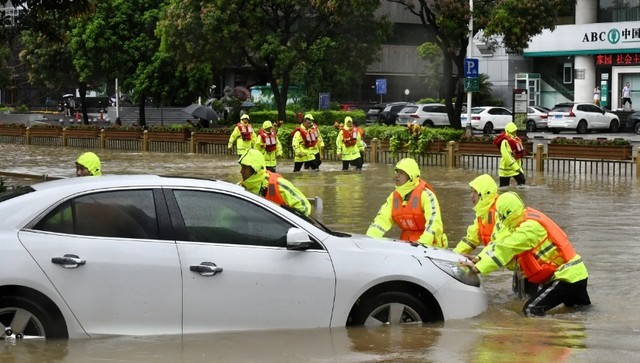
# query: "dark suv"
384,113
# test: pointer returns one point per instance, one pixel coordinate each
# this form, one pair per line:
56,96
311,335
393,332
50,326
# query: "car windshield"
476,110
562,109
15,192
409,109
315,222
541,109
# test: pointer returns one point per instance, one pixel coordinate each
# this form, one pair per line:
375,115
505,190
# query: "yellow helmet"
254,159
348,121
510,208
308,116
244,117
409,166
91,161
511,128
484,185
267,124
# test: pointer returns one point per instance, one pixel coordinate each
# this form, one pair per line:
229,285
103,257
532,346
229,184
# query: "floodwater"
599,213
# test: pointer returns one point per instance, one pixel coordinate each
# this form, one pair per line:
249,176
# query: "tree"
278,39
510,22
117,41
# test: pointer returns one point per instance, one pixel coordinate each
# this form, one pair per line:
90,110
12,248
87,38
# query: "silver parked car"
537,118
427,114
151,255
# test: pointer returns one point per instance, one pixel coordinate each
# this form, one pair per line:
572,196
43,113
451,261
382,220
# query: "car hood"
390,246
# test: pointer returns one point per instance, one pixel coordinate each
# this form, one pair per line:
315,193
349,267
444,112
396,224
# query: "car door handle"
206,269
68,261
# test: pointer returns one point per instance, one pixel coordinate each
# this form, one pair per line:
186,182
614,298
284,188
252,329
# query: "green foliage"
590,142
323,47
516,21
172,128
46,126
14,125
83,127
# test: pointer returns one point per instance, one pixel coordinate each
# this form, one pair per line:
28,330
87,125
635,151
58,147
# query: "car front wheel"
25,319
531,125
391,308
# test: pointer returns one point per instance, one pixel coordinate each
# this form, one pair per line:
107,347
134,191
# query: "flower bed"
599,149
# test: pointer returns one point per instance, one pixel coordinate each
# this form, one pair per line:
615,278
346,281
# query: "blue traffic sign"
381,86
324,101
471,67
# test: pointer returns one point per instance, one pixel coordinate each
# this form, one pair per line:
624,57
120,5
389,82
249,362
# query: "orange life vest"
349,137
486,229
269,139
272,192
410,217
515,143
245,131
310,138
534,268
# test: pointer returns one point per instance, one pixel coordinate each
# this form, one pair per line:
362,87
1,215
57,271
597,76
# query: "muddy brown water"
599,213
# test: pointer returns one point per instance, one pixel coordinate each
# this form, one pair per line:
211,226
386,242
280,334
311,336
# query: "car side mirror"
298,239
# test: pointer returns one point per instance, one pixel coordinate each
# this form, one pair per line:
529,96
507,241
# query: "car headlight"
457,271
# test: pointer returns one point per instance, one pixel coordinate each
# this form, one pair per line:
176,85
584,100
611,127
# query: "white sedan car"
487,118
581,117
148,255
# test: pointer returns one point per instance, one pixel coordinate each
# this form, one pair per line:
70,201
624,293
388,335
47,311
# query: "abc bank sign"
596,38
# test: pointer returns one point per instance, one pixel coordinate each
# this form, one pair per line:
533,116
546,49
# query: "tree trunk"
141,105
82,89
280,96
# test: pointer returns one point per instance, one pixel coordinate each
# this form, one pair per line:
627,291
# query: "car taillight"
475,117
544,116
571,114
415,116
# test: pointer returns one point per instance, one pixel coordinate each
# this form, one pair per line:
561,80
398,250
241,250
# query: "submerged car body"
149,255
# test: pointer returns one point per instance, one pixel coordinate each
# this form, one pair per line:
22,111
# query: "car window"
561,109
221,218
122,214
409,109
440,109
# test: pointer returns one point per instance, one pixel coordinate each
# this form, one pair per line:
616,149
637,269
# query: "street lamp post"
469,54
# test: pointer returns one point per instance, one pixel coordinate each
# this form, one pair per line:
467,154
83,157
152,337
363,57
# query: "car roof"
134,180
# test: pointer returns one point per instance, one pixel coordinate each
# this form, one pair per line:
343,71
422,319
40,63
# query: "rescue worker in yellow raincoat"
269,145
303,143
316,150
243,136
511,151
349,145
272,186
414,207
88,164
484,194
544,253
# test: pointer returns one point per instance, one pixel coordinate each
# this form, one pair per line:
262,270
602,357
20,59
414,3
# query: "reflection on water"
598,213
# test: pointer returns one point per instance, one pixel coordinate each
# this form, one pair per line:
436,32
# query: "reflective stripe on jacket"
410,217
272,191
269,139
349,136
246,131
540,263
